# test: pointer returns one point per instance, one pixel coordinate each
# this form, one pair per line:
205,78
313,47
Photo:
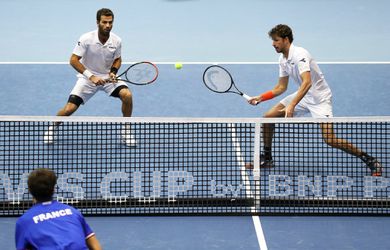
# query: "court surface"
207,232
191,30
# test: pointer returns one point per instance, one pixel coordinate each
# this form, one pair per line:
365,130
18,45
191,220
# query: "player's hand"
97,80
254,100
289,110
112,78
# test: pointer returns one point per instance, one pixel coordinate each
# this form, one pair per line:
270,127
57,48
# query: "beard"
104,32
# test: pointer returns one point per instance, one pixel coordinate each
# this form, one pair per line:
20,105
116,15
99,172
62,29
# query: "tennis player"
313,96
97,57
49,224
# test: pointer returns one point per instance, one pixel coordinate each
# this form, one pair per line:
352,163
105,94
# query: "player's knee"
277,111
126,96
271,114
330,140
71,106
69,109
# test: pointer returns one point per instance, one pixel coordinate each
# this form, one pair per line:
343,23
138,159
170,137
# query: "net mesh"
195,166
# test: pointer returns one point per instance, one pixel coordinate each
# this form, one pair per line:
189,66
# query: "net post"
256,153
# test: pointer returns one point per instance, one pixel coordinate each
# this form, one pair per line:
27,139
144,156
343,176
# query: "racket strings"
217,79
142,73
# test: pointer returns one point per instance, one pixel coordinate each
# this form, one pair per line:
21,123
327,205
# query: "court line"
259,232
240,160
254,63
256,219
256,177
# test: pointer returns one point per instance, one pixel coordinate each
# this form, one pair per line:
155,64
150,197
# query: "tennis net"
195,165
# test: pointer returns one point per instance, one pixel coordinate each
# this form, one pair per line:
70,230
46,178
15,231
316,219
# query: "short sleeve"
86,228
282,70
303,62
118,52
80,47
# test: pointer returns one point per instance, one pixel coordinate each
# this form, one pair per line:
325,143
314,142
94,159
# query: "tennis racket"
219,80
141,73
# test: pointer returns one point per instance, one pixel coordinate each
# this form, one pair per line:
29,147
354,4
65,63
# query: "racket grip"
246,97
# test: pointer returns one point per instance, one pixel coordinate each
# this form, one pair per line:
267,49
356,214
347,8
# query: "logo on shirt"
303,60
290,62
52,215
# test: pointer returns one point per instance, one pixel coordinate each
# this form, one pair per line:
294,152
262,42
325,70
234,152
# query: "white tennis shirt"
95,56
299,61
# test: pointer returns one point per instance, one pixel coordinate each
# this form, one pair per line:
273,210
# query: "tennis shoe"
264,163
48,136
128,139
375,166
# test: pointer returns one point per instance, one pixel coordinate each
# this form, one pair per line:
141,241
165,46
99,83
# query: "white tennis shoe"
127,138
48,136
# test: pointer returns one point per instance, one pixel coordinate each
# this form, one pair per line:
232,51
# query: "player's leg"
269,129
323,110
80,94
268,132
127,101
70,107
124,94
332,140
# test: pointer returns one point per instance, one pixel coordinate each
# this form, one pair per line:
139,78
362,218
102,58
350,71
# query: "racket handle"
246,97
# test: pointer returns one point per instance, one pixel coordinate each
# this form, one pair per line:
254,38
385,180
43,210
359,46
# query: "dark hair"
41,183
104,12
283,31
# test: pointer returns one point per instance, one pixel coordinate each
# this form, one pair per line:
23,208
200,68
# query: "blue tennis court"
240,232
175,31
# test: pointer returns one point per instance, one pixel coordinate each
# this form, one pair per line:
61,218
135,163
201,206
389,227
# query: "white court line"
259,233
351,62
256,219
240,160
256,176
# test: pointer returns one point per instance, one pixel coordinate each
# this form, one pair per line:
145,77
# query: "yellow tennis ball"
178,65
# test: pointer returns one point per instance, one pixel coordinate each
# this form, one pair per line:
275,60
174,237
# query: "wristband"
267,95
114,70
87,74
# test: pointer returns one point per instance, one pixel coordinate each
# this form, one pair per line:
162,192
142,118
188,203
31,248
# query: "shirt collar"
97,41
290,52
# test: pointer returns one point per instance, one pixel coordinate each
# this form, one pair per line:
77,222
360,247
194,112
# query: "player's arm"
93,243
279,89
115,67
303,89
79,67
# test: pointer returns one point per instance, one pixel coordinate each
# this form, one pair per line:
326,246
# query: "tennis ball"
178,65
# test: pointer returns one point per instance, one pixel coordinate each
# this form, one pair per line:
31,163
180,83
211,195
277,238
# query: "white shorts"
322,109
85,89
